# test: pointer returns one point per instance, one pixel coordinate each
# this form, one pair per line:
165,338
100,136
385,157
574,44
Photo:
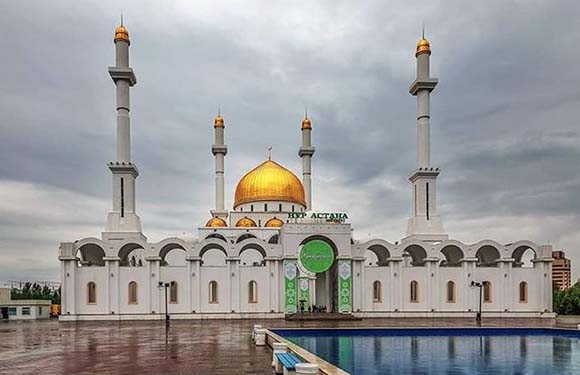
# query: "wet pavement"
187,347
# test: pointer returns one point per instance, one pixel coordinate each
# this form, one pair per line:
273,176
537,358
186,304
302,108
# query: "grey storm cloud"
504,116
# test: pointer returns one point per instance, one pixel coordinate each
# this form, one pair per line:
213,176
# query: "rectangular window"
280,207
292,208
252,207
265,206
40,310
173,292
487,292
415,201
122,197
12,311
427,200
26,311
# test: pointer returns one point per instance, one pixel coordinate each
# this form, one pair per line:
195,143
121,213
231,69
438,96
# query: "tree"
567,302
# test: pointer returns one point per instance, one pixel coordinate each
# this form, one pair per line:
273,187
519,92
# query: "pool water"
444,351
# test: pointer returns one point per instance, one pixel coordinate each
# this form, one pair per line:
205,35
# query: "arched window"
173,292
91,293
450,291
414,291
213,292
377,291
487,291
133,293
523,292
252,292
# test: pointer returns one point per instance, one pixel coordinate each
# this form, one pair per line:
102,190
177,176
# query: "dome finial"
121,32
218,122
306,123
423,45
270,153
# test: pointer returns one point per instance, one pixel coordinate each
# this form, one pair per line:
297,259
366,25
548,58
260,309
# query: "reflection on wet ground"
188,347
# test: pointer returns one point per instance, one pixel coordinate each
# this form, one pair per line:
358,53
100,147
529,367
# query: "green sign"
317,256
344,286
303,286
290,273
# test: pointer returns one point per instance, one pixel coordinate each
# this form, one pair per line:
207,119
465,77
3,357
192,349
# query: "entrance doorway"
4,312
327,289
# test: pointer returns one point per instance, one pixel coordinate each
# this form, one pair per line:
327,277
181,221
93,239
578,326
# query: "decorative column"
219,151
123,217
290,280
112,302
156,305
235,292
306,152
344,285
424,221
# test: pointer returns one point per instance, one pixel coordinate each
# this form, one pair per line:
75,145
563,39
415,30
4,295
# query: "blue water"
444,351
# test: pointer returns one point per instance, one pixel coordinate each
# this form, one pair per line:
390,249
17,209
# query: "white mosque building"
271,250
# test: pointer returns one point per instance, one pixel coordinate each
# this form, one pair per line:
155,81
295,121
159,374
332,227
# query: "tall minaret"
123,217
306,152
219,151
425,222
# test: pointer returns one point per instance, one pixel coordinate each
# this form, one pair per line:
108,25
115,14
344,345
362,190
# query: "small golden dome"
274,223
269,181
246,222
216,222
218,122
423,46
306,124
121,33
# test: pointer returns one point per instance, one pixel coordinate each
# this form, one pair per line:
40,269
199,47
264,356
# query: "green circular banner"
317,256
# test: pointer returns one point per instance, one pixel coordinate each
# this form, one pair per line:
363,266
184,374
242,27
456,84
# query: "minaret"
219,151
306,152
425,222
123,217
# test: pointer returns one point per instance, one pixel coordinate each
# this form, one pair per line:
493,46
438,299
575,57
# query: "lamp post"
165,286
479,285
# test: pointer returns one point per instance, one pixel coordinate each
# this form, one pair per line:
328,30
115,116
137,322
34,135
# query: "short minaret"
425,222
123,217
306,152
219,151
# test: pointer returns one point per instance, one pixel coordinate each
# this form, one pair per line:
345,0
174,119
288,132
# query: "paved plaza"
188,347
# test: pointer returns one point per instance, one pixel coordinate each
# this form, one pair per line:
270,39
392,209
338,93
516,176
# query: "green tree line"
567,302
35,291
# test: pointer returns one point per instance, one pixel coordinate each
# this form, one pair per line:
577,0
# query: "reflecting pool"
444,351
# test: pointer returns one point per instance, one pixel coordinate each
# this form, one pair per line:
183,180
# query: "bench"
288,362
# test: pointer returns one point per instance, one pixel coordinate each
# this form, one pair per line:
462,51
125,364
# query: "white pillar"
260,337
306,368
219,150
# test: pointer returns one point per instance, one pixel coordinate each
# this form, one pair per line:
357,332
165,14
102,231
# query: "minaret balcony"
423,84
306,151
120,167
424,172
219,149
126,74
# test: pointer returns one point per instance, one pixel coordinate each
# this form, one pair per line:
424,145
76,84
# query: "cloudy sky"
505,127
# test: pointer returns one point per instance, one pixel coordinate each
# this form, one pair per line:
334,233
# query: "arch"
213,257
251,243
417,253
124,252
212,246
252,292
133,293
216,235
361,248
211,243
92,254
487,256
166,248
91,293
382,254
377,291
450,292
213,292
523,292
173,292
524,253
414,291
371,259
244,237
453,256
274,239
252,255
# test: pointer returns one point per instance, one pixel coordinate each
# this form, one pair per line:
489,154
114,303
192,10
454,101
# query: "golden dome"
274,223
216,222
306,124
246,222
218,122
269,181
121,33
423,47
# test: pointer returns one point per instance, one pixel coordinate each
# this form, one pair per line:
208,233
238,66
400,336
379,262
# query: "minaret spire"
425,222
123,217
219,151
306,152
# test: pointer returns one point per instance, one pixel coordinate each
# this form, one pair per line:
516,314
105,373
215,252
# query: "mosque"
272,252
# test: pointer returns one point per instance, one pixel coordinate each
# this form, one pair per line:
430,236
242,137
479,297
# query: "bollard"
256,326
306,368
260,337
278,347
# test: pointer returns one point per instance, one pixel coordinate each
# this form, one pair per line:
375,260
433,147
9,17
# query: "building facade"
28,309
561,270
272,250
